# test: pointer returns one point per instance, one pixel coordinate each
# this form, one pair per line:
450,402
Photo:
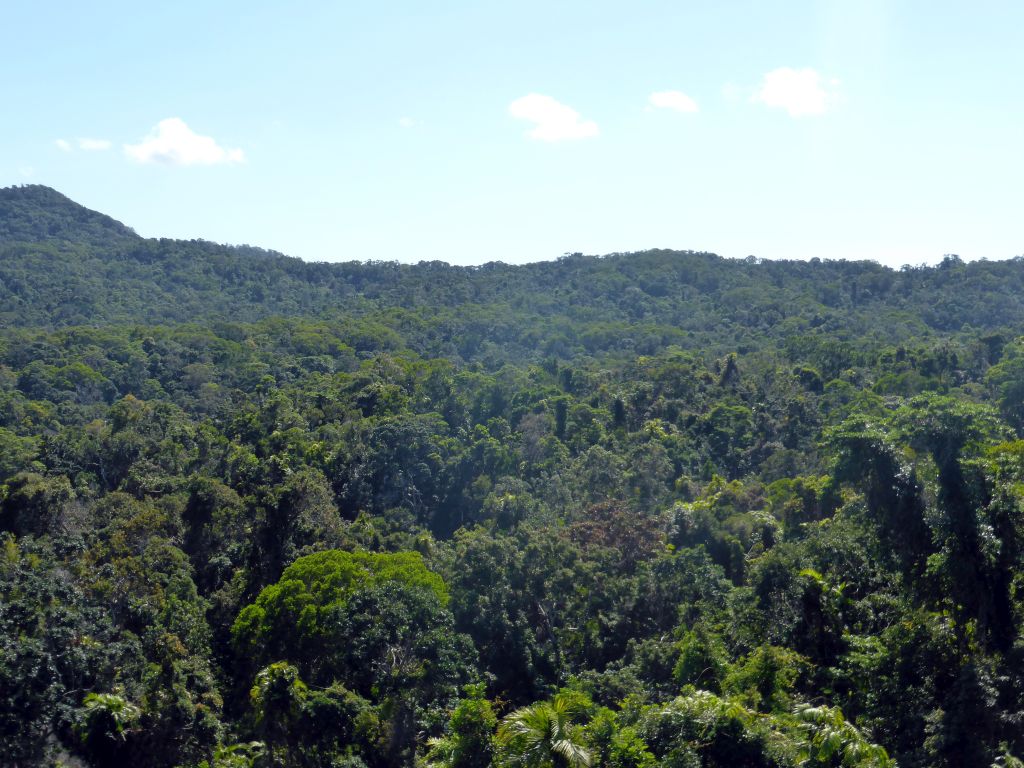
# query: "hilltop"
34,213
63,265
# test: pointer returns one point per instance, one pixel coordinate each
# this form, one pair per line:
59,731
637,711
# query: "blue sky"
475,132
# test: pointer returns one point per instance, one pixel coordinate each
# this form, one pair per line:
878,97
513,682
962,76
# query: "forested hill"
35,213
63,265
647,510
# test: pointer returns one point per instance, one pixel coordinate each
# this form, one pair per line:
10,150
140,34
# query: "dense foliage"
658,509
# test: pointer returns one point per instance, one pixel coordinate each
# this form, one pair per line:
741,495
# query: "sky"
470,132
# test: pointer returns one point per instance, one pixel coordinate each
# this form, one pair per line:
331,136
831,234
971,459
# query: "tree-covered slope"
62,265
37,214
646,510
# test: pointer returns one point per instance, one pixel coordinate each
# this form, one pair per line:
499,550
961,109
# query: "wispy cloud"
675,100
88,145
801,92
407,122
94,145
172,142
552,120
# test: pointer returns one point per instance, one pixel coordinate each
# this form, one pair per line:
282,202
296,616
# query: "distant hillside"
63,265
34,213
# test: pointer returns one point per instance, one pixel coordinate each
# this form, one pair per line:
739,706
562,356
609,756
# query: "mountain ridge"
85,268
37,213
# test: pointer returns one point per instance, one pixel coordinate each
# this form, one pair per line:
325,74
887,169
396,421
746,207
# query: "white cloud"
406,122
553,121
800,92
172,142
63,145
676,100
93,145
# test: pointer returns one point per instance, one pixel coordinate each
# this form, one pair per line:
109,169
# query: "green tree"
542,735
376,623
831,740
104,724
469,741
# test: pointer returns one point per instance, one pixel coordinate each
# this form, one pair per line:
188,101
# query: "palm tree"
543,736
832,739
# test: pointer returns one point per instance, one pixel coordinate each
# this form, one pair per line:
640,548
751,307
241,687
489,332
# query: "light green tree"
833,740
542,736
